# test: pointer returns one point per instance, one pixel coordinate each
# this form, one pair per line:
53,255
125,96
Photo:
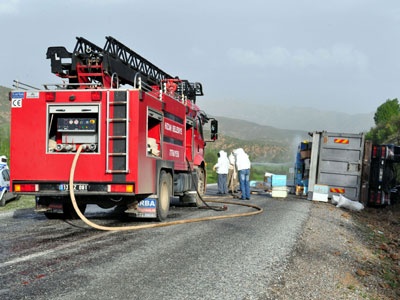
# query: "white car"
5,194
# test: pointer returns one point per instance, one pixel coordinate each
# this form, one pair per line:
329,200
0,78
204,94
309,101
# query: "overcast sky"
339,55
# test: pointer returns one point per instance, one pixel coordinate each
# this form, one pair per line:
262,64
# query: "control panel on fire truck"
71,126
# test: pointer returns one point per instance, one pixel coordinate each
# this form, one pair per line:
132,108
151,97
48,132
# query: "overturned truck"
347,164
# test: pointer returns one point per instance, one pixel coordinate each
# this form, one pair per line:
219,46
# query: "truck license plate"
77,187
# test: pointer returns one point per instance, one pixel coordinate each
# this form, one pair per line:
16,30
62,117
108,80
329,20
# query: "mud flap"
146,208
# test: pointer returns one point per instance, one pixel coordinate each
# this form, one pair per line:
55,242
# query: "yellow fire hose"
163,224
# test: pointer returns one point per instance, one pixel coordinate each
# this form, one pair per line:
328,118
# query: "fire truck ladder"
92,65
125,62
117,133
88,65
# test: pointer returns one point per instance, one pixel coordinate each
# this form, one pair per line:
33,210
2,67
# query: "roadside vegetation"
5,140
387,123
22,203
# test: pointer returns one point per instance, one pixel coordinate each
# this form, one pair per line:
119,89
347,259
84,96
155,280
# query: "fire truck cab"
140,145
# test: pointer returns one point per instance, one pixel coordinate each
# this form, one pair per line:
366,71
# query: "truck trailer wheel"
164,194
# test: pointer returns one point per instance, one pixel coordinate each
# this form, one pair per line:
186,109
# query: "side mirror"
214,129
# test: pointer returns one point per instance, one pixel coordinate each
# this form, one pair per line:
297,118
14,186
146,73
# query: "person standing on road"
232,175
222,167
243,165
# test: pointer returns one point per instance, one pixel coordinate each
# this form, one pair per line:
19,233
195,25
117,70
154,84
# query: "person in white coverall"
222,168
243,165
233,181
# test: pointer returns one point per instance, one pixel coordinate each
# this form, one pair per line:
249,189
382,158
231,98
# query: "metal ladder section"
117,152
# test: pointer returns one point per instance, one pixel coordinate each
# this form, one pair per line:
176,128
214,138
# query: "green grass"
22,203
5,140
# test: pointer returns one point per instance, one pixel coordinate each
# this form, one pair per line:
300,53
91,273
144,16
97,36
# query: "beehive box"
320,193
278,180
279,193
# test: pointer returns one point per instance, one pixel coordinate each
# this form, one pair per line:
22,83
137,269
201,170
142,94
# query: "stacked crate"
279,187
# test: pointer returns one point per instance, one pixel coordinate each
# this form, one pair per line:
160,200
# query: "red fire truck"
140,145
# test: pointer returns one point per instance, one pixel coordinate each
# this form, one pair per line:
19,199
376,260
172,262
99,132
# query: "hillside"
4,106
246,130
262,143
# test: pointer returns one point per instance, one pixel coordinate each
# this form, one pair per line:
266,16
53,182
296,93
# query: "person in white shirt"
222,168
243,165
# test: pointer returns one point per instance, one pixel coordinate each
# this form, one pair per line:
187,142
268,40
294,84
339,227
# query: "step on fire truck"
140,145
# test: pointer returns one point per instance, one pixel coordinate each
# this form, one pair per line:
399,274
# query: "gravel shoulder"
344,255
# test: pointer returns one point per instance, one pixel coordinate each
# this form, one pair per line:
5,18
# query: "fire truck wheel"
200,186
164,194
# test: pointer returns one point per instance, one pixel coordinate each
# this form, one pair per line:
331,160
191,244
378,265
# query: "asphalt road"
234,258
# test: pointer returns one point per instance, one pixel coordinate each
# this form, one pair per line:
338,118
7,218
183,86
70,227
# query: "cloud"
340,55
8,7
196,51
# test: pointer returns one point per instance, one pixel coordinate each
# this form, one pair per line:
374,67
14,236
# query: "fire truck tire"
200,186
164,195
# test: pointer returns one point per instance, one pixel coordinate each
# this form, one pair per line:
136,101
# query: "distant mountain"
251,131
299,118
272,134
262,143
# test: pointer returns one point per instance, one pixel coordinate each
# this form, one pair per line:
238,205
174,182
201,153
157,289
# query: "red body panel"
31,160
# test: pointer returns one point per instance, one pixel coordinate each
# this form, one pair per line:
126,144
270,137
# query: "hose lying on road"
164,224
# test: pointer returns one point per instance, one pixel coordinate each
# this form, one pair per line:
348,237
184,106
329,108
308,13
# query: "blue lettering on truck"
17,95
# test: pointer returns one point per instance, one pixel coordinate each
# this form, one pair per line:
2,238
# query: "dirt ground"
343,254
382,234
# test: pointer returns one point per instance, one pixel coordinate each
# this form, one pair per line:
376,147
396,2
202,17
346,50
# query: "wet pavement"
65,259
